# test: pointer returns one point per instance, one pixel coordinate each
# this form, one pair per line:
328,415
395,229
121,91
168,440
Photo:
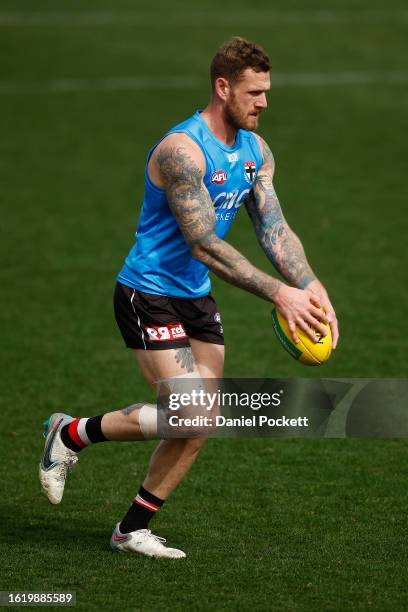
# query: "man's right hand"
301,308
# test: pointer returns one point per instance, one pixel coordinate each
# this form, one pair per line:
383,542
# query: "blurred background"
86,89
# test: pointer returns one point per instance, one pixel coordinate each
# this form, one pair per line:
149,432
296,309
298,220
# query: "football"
306,351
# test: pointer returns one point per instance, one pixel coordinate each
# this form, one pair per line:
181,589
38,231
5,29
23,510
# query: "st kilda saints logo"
250,170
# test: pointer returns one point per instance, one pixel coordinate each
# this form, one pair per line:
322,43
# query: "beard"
237,118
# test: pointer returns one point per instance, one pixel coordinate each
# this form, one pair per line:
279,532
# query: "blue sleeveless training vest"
160,261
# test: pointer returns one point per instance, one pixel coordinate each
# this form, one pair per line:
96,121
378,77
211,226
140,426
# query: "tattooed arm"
280,244
179,166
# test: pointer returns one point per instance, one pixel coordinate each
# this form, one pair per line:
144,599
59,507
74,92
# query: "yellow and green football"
306,351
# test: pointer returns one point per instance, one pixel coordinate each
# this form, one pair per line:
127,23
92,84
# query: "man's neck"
213,115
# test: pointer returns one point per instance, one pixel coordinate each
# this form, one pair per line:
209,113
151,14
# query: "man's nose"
262,101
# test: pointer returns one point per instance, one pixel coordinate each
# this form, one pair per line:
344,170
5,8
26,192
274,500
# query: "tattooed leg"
130,409
130,424
185,358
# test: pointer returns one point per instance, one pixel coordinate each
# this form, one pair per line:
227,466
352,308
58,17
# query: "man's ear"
222,88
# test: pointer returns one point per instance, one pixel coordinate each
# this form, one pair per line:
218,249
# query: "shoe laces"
157,538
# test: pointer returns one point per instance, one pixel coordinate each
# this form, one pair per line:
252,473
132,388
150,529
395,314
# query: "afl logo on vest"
219,177
250,170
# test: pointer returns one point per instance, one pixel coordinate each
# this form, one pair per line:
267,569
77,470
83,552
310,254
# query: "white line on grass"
215,18
106,84
338,78
147,83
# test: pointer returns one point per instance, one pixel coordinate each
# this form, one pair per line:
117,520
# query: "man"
197,178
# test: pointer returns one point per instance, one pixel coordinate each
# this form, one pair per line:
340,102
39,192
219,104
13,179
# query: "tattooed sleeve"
191,204
280,244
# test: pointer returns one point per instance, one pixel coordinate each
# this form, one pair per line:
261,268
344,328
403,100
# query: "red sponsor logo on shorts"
159,333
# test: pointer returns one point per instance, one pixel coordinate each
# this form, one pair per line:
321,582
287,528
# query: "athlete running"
197,178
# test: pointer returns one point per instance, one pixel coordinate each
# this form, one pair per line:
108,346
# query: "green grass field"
85,89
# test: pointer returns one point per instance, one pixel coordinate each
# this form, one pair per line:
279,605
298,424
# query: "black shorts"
156,322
